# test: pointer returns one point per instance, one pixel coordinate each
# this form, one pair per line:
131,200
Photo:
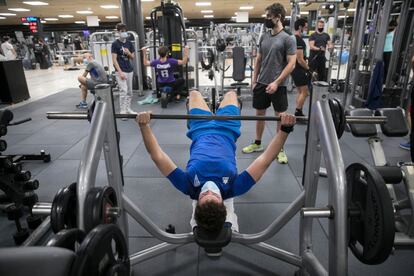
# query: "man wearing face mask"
300,74
274,63
98,75
122,53
211,178
318,42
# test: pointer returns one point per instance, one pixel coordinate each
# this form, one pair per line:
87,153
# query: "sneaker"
82,105
130,111
299,113
252,148
281,157
406,146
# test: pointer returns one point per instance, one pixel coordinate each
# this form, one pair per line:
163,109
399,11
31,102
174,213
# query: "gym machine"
322,138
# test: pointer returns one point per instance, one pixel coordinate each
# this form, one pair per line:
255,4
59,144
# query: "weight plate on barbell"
371,219
103,252
98,202
67,238
338,116
63,211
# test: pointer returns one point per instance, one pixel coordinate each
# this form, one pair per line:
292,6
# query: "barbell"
83,116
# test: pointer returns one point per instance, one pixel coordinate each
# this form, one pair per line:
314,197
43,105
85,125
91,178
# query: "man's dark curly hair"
210,216
277,9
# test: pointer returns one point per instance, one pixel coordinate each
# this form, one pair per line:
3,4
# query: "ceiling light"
7,14
147,0
109,6
18,9
35,3
185,19
42,21
264,15
111,17
234,17
235,13
203,4
246,7
207,11
304,12
302,3
84,12
51,19
352,10
26,24
1,17
79,22
209,16
341,16
148,17
288,17
65,16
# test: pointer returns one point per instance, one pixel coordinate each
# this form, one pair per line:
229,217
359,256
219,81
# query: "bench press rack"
322,138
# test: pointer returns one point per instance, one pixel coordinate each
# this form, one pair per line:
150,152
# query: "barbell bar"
84,116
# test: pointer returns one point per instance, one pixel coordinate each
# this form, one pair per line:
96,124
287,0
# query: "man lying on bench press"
211,176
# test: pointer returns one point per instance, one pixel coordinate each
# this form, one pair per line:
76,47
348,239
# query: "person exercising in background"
300,74
319,41
122,53
8,50
165,67
274,62
211,177
98,75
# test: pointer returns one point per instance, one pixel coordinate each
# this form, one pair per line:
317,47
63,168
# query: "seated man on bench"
165,67
211,175
98,75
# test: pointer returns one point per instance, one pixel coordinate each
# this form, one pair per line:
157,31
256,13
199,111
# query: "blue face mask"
85,61
210,186
123,35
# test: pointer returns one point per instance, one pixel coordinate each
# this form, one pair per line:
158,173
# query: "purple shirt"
165,70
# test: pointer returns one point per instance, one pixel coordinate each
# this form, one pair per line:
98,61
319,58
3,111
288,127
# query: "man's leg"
128,97
322,68
84,92
300,99
177,86
230,98
280,105
123,87
196,100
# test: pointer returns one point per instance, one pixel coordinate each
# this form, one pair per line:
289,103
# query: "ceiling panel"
221,8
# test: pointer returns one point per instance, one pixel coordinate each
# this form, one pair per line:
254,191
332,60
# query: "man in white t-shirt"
8,50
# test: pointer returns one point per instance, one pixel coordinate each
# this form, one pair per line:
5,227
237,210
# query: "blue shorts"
229,128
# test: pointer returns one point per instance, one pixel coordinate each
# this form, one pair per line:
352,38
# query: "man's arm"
144,57
185,57
160,158
301,60
256,70
260,165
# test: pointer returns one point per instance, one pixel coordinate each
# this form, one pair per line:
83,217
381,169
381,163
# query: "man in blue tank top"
211,175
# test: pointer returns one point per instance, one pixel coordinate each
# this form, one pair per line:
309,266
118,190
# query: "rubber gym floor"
64,140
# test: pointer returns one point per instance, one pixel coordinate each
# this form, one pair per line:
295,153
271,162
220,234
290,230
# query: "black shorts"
262,100
300,76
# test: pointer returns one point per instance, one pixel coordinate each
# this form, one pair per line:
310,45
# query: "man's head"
275,13
301,25
6,38
87,57
163,51
392,25
122,30
210,213
321,25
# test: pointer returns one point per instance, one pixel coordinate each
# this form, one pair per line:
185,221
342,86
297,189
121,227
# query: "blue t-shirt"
212,158
165,70
123,60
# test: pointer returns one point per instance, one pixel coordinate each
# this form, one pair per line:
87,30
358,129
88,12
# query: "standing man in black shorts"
274,62
318,41
300,74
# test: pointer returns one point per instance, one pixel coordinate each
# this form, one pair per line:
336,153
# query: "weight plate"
98,201
338,116
102,252
371,226
67,238
63,212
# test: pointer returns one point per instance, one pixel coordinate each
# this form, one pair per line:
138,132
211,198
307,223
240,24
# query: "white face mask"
123,35
210,186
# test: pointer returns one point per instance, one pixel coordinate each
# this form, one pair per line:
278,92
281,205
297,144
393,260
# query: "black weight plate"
338,116
67,238
103,250
371,232
97,201
63,212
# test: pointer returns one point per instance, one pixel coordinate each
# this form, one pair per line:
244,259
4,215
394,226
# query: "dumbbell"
14,213
3,145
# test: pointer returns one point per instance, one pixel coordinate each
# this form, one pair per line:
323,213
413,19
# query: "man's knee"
260,112
195,94
232,95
